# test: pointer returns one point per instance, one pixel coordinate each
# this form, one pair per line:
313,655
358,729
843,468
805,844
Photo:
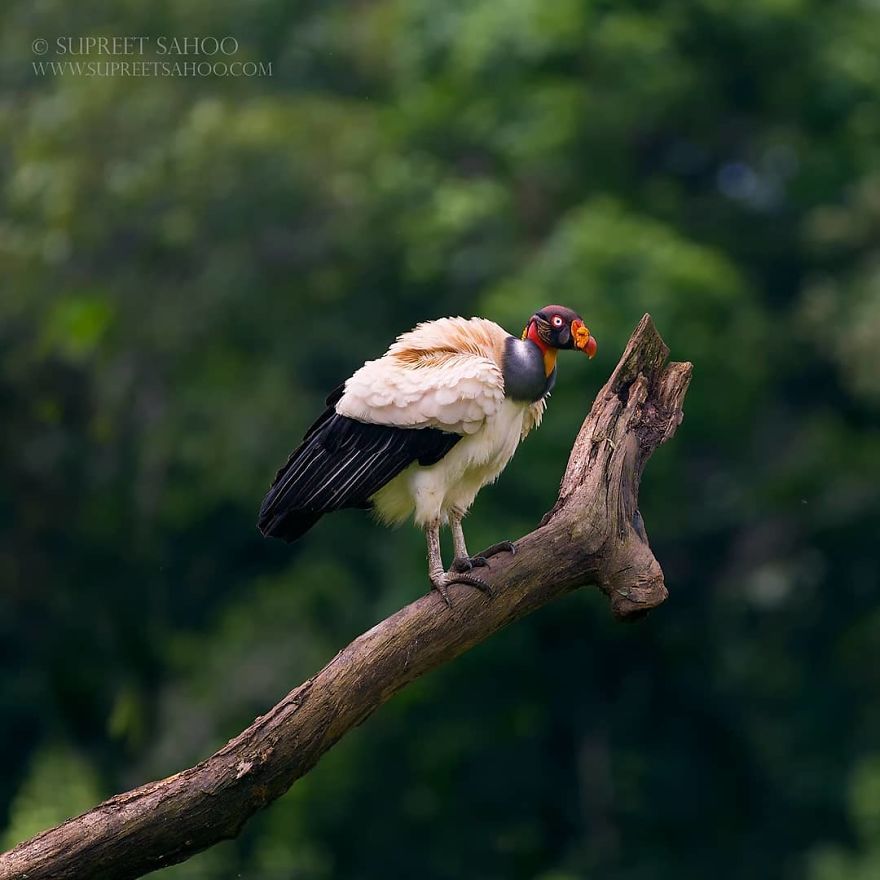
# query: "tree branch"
594,534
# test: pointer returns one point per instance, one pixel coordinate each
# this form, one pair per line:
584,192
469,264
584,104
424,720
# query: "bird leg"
441,580
463,561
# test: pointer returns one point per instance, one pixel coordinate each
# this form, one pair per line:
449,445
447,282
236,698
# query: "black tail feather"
289,525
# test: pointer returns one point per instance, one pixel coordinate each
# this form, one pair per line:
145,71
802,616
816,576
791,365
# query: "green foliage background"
188,265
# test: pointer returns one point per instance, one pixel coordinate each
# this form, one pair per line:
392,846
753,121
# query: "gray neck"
523,371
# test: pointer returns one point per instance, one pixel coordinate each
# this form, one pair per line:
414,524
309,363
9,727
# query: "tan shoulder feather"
463,336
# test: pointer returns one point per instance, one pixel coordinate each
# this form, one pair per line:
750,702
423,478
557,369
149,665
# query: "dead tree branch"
593,535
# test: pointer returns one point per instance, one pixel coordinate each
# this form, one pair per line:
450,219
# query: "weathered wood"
594,534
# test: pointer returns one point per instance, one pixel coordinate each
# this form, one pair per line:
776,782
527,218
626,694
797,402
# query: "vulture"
419,431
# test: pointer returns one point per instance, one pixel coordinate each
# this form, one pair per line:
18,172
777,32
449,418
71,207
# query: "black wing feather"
341,463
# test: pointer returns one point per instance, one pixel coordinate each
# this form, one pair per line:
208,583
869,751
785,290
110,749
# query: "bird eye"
557,321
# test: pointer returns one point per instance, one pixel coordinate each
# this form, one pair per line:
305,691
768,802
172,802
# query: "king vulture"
419,431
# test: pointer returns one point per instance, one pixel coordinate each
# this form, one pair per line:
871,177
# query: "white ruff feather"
432,493
444,374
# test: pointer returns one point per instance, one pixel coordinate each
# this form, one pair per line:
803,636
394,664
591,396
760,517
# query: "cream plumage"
444,374
419,431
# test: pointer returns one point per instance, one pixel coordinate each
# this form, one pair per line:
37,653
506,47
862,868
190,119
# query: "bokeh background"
189,264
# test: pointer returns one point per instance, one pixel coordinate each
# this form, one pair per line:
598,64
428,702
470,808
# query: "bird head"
556,327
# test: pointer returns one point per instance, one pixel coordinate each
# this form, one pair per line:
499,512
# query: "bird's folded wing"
436,384
342,463
453,391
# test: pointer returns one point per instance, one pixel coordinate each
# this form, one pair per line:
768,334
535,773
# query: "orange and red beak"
582,339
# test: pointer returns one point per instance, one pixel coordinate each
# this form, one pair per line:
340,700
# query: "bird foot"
466,563
444,579
500,547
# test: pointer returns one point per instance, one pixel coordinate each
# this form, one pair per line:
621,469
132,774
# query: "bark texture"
594,535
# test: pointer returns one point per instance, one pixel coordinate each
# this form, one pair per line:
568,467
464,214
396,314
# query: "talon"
500,547
473,581
440,586
465,563
442,581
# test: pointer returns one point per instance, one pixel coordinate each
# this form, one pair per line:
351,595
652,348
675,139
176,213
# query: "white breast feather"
431,493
